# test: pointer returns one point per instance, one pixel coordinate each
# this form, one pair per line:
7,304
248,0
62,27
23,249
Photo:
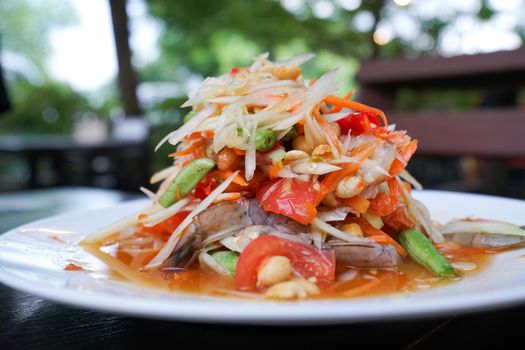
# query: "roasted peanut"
287,72
349,186
274,270
227,159
352,229
299,143
296,288
330,200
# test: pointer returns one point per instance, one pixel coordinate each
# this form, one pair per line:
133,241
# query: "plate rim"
266,312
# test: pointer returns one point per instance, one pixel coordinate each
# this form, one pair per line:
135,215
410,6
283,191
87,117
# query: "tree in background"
40,104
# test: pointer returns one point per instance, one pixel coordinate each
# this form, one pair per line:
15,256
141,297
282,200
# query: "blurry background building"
95,84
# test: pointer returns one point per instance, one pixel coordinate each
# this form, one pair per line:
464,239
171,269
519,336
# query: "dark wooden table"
74,162
29,322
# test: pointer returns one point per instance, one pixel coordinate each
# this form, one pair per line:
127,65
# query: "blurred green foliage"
208,37
46,108
25,25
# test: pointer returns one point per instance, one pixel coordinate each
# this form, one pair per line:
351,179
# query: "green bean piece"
421,249
188,116
290,135
265,140
227,259
186,180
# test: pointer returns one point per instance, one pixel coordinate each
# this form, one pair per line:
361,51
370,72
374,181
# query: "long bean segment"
228,259
421,249
186,180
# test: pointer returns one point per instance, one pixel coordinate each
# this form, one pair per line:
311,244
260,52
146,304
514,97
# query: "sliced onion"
161,175
172,241
243,238
287,173
482,226
166,213
259,60
296,237
344,160
313,168
217,236
250,156
224,99
317,239
325,227
186,129
206,260
336,214
406,176
420,213
333,117
347,275
115,227
277,155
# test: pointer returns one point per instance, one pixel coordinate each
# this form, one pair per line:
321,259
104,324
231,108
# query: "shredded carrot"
320,150
274,170
330,133
358,203
330,180
207,134
223,175
229,198
337,109
379,239
371,231
195,146
295,106
356,106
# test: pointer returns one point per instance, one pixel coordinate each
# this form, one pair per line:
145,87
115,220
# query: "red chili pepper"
234,71
358,122
205,187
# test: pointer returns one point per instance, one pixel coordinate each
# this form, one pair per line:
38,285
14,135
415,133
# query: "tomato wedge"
293,198
399,164
358,122
306,260
164,229
385,203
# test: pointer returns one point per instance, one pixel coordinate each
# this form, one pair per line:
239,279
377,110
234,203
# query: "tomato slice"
164,229
399,220
205,187
398,165
385,203
289,197
306,260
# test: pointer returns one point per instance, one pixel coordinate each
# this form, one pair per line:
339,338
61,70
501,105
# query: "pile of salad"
285,188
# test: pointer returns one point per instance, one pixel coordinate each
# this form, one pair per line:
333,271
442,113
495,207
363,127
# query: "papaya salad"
280,189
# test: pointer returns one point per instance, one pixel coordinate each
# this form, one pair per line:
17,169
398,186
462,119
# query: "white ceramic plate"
33,262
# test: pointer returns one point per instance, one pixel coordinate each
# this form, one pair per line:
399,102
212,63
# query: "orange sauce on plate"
409,277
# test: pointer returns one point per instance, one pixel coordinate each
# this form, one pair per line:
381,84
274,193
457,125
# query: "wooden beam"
466,69
127,78
487,132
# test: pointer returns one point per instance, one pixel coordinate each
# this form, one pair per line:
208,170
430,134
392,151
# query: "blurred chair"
120,161
488,139
4,100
